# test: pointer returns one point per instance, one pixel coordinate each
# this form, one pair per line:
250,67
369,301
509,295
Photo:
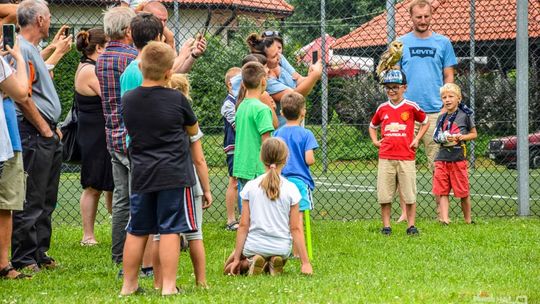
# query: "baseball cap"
394,76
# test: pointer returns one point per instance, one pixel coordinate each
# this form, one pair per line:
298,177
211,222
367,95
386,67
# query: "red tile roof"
264,5
495,20
280,7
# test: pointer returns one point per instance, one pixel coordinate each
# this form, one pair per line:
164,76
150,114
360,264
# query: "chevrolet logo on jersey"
395,127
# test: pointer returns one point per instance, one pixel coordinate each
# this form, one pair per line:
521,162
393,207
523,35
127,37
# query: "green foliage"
342,17
208,78
64,77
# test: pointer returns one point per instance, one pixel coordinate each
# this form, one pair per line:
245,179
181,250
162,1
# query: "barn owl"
390,57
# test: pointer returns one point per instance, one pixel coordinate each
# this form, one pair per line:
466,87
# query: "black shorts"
230,162
164,212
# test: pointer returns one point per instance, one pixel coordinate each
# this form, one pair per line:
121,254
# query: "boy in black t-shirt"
160,121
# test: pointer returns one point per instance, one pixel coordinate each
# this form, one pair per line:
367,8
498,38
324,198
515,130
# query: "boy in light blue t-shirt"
301,143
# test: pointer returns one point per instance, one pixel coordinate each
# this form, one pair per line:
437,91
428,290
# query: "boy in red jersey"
397,148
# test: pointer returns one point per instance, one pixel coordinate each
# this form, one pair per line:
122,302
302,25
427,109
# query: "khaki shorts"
431,148
392,174
13,184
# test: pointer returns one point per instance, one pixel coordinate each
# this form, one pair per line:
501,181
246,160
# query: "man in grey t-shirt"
42,149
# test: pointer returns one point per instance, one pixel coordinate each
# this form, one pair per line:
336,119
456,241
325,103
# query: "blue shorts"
306,203
164,212
230,162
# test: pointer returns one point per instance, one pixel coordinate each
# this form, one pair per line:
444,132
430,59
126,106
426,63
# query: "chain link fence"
349,37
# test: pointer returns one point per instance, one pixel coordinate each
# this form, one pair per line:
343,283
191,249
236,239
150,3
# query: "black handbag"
71,150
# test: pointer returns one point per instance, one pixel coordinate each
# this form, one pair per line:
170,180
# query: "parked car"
503,150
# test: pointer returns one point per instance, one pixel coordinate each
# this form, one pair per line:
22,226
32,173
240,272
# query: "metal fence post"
472,71
390,20
522,94
324,89
177,23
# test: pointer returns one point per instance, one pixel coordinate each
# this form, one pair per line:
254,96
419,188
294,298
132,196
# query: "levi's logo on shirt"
422,52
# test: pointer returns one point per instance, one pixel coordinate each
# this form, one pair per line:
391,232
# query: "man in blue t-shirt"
428,60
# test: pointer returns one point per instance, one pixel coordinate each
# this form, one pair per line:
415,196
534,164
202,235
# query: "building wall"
189,23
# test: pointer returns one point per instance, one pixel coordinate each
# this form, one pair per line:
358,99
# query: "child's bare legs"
231,197
385,213
133,252
411,214
466,208
147,257
301,215
198,259
108,201
158,282
444,205
438,202
169,252
403,207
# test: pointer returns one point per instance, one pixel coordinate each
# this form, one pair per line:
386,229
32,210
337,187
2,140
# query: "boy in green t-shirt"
253,125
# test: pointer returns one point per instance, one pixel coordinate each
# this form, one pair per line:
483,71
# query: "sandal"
88,243
178,292
138,291
6,270
232,226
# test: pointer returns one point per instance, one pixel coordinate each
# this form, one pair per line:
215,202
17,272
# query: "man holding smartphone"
42,149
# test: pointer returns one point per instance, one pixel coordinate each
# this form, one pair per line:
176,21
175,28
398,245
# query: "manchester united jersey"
397,128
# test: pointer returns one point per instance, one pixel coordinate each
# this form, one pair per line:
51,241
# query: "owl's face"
396,47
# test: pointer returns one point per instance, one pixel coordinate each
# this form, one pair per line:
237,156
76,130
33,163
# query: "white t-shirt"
133,3
6,151
197,189
269,231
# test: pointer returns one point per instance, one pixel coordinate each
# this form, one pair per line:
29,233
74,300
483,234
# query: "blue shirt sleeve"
273,86
284,63
449,55
311,142
236,81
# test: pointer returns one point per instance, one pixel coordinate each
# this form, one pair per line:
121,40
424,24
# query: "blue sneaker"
147,272
386,231
412,231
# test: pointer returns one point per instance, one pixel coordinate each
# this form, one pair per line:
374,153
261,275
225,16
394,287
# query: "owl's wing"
383,63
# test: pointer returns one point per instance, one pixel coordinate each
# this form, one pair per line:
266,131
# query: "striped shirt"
109,67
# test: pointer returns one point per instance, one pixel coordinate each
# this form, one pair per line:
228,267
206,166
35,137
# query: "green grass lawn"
354,263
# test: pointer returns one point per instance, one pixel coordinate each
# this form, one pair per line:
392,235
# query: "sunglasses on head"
271,34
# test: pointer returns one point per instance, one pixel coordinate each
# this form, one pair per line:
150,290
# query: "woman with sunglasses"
280,81
283,62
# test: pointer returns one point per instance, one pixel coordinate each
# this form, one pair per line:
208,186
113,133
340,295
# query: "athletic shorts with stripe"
164,212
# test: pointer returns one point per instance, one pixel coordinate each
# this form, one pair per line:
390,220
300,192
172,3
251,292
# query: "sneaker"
147,272
256,265
412,231
386,230
276,265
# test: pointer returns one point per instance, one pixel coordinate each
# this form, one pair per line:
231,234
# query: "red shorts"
451,175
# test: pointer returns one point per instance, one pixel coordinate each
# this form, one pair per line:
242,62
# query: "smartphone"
66,31
314,57
9,35
200,35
